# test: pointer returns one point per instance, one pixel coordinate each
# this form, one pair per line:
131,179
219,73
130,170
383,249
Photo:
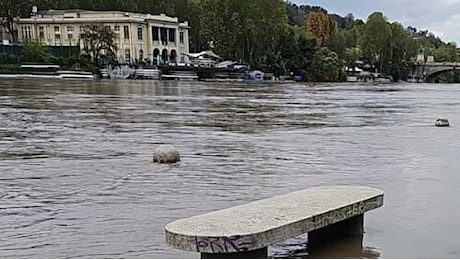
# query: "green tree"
337,42
99,44
446,53
270,21
243,30
294,54
326,66
403,49
284,51
301,60
376,42
352,37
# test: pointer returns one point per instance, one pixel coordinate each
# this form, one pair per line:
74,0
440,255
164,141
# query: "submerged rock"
442,122
166,154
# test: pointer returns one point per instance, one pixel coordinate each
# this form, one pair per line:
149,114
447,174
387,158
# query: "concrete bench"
246,231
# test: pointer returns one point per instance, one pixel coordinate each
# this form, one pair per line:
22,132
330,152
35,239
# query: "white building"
139,36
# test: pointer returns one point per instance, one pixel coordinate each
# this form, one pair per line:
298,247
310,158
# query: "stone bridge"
429,71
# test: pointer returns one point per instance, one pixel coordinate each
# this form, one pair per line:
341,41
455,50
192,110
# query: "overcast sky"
441,17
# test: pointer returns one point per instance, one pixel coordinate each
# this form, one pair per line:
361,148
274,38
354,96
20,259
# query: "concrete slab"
262,223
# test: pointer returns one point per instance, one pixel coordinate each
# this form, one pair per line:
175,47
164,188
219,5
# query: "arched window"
173,56
156,56
164,55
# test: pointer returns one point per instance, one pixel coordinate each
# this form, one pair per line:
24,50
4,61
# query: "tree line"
279,36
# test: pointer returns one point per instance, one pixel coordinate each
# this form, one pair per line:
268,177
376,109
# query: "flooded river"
77,178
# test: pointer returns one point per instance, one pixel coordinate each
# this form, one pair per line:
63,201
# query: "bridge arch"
429,71
432,76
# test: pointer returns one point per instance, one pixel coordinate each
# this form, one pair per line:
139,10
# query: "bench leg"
349,227
346,247
255,254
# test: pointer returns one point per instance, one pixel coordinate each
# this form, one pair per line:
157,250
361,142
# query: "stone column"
350,227
159,36
348,247
167,36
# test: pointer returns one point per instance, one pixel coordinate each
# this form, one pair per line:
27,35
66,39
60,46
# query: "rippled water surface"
76,178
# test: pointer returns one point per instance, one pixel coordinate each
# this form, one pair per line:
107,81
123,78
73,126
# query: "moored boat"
75,72
48,71
72,74
254,77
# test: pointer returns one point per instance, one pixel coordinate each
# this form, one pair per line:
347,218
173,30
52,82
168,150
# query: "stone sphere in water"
166,154
442,122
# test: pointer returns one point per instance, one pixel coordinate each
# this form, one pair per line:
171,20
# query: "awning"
225,64
203,53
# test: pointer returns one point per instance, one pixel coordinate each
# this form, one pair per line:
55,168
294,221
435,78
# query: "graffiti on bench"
224,244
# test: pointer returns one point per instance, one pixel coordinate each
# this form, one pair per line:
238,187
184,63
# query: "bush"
34,51
6,58
9,67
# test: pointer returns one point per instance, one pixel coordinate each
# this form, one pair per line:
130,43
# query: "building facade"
139,37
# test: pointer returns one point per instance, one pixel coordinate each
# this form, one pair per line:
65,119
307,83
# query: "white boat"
44,71
180,75
22,76
74,74
147,73
382,80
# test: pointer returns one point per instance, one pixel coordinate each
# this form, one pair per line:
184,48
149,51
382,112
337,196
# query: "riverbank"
165,73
